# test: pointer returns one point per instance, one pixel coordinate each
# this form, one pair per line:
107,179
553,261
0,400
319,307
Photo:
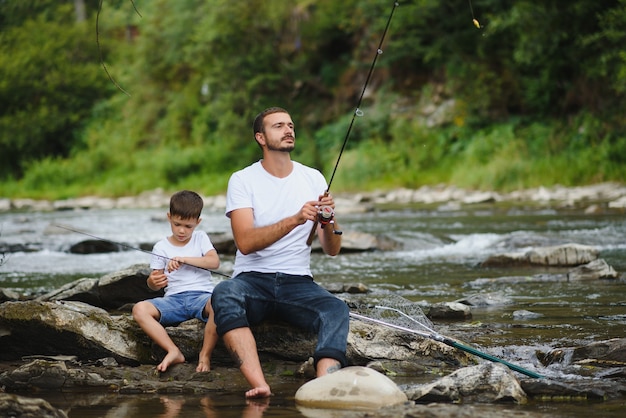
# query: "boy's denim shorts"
181,307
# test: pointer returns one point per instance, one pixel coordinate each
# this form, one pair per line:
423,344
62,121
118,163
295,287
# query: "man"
272,205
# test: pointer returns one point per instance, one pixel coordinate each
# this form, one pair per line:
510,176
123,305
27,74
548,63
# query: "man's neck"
278,164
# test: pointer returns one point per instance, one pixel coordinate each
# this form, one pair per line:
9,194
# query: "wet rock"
485,383
75,328
8,294
52,376
95,246
618,203
450,310
350,388
594,270
90,333
523,314
440,410
561,255
485,299
537,278
371,342
608,353
353,288
111,291
25,407
578,389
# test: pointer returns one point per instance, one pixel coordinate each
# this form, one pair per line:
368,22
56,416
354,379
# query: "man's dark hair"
186,204
257,126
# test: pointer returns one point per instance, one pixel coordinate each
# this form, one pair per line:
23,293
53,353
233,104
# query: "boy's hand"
174,264
157,280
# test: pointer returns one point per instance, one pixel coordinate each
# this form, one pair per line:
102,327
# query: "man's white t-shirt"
273,199
186,278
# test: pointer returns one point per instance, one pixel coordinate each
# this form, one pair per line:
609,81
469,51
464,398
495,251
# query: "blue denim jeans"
181,307
250,297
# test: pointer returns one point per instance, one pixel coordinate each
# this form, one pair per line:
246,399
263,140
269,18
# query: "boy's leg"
209,341
147,316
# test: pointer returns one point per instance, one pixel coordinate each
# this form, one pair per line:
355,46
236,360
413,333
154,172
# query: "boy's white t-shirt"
273,199
186,278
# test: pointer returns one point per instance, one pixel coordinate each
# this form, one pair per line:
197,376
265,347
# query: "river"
438,261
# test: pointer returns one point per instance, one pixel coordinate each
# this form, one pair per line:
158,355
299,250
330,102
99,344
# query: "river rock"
76,328
450,310
608,353
485,299
95,246
563,255
350,388
110,291
566,255
90,333
594,270
484,383
24,407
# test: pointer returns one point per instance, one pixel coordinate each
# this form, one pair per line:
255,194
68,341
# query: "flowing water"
438,261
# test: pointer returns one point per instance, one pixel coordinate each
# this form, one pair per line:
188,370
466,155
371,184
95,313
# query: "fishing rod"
130,247
433,335
326,213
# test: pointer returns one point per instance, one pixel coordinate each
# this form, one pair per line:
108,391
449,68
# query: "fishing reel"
325,216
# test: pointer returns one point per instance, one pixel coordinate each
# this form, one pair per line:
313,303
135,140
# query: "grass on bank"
501,157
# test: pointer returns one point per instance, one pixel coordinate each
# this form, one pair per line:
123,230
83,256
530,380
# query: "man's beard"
281,147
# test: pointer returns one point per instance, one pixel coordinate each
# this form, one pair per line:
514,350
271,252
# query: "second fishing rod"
326,213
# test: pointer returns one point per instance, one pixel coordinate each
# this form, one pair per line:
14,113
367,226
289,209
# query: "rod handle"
309,240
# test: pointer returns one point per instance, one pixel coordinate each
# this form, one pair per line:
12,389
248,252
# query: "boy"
180,263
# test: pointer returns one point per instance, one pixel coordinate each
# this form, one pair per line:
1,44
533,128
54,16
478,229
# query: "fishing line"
325,217
100,49
358,111
474,20
130,247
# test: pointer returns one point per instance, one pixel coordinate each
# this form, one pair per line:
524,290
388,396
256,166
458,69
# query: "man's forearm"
259,238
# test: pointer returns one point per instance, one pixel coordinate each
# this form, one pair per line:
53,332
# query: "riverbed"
438,259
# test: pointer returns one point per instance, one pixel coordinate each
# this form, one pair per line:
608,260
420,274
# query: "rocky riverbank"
593,198
82,338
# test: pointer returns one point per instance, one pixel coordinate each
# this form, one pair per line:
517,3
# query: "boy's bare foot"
171,359
203,366
260,392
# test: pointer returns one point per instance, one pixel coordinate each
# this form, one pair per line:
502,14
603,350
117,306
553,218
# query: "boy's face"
182,228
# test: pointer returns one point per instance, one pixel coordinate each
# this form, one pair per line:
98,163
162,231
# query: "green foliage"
534,96
49,79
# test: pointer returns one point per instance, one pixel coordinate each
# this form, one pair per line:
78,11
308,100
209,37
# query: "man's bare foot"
171,359
203,366
255,407
260,392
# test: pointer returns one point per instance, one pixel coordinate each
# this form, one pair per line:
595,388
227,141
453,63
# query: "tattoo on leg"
233,354
333,368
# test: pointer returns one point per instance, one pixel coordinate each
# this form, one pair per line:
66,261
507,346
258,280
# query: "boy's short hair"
186,204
